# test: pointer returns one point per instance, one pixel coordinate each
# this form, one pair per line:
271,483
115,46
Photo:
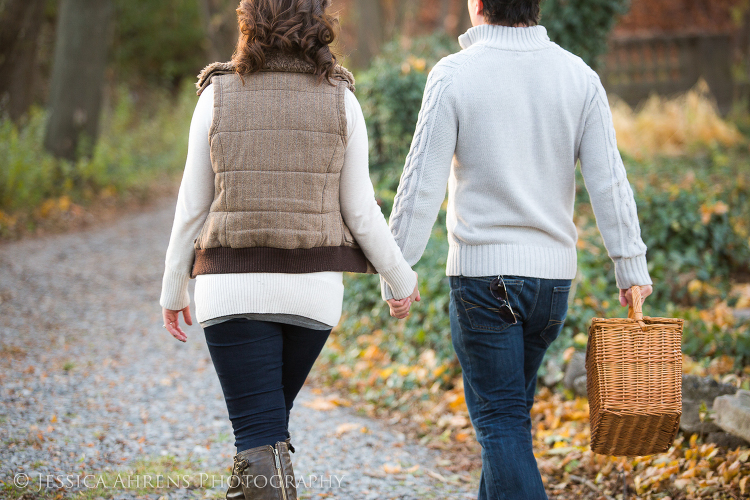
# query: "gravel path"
91,384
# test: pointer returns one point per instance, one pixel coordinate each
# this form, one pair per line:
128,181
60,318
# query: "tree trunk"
20,24
370,19
83,34
220,24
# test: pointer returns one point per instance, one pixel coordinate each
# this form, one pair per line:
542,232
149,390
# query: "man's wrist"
632,271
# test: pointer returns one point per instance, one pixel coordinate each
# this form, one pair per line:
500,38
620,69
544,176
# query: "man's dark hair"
512,12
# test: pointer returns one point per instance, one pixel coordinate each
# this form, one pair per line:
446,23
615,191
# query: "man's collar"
505,37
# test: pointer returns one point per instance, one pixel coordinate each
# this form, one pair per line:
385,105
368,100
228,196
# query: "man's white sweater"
503,123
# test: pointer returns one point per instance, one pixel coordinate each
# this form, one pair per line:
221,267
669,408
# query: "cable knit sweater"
503,124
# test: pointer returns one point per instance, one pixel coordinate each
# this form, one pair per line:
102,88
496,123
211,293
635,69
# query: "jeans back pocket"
481,309
558,311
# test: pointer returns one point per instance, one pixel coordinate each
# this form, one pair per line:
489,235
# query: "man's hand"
400,308
626,296
172,322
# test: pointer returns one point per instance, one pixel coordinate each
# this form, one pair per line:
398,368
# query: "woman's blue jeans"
500,363
262,366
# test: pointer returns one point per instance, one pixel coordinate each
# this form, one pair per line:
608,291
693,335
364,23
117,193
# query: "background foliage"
390,92
687,164
158,43
143,140
582,26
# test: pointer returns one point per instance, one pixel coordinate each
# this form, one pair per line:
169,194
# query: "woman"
275,203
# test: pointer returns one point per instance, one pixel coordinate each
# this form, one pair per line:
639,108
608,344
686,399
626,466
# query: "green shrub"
158,41
695,233
582,26
695,220
390,92
694,216
140,141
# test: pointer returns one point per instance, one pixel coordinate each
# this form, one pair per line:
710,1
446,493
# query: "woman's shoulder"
342,74
213,69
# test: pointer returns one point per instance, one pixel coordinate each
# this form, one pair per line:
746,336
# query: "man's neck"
481,22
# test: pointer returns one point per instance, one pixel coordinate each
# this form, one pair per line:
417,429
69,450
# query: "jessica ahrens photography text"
38,482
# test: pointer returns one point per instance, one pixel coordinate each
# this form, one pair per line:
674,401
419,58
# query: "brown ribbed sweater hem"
225,260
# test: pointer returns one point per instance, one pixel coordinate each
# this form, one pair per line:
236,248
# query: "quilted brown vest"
277,144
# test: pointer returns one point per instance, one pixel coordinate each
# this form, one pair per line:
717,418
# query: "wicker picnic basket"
634,382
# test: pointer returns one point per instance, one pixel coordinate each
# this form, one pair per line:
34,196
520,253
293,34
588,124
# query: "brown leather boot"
288,442
263,473
288,471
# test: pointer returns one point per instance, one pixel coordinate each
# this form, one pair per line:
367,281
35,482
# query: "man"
503,123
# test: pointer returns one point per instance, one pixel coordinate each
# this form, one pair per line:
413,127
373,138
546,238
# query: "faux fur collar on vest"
276,62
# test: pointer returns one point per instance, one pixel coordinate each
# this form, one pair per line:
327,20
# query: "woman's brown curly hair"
300,28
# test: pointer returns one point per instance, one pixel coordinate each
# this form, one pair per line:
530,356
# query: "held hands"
400,308
626,296
172,322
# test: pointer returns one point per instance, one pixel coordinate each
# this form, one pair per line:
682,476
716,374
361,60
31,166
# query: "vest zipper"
278,468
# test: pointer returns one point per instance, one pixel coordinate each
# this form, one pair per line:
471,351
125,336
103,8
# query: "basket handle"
635,311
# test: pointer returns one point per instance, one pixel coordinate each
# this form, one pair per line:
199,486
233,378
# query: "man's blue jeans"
500,363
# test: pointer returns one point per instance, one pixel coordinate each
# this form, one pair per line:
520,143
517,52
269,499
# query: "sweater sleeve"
610,192
193,203
361,212
421,190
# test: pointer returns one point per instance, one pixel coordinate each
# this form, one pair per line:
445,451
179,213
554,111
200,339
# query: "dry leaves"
326,404
426,400
347,427
690,469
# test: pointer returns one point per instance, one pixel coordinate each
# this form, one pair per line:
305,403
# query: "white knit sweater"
316,296
503,123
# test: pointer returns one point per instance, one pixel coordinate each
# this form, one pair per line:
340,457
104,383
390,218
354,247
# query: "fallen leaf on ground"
320,404
391,468
344,428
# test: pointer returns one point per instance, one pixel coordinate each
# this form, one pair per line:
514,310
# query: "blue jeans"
500,363
261,366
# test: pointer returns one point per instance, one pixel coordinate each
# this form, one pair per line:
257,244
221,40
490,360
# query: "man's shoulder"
452,64
575,62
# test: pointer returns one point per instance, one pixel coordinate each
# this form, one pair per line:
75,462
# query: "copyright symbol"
21,480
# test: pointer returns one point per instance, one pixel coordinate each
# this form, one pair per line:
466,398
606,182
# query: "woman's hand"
172,322
626,296
400,308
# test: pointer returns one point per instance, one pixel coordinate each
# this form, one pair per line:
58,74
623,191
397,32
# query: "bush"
390,92
694,221
158,41
582,26
696,230
142,139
